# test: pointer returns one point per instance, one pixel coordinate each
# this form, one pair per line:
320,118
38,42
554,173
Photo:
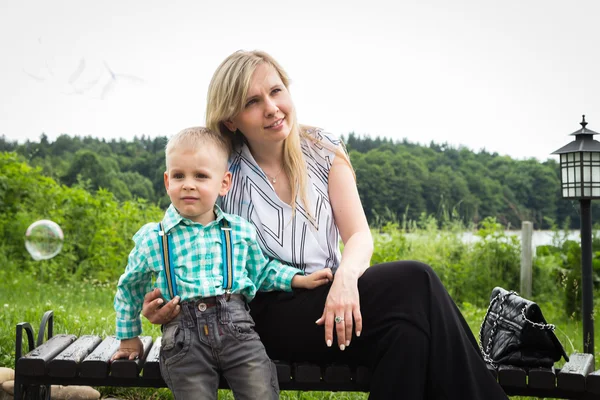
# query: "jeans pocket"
242,326
175,342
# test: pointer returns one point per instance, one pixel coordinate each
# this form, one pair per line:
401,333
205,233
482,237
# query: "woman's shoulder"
320,136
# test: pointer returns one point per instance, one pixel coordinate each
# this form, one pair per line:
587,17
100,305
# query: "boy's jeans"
212,336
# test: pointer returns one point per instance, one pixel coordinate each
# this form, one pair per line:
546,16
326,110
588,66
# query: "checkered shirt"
198,265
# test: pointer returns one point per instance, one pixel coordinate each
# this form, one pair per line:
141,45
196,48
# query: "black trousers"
414,339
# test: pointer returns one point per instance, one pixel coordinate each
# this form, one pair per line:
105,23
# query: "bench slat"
95,365
131,368
337,374
284,371
152,366
542,378
573,374
509,375
593,382
66,363
307,373
34,362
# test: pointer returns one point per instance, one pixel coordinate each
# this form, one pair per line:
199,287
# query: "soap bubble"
43,239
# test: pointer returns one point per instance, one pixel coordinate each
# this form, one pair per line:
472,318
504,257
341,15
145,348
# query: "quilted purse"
515,332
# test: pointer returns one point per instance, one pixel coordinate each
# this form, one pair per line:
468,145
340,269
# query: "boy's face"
195,177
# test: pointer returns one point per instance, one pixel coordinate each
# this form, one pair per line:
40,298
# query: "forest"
397,180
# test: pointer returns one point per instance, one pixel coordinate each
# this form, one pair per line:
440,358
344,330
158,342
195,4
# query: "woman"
298,188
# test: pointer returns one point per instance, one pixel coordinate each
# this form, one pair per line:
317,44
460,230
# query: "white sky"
511,76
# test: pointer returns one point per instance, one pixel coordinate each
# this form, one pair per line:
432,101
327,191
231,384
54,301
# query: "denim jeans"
213,337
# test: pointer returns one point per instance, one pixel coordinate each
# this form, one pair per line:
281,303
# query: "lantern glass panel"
595,173
596,192
586,174
576,156
586,156
571,177
587,192
595,156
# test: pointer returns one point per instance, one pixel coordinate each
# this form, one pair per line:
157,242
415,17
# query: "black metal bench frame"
67,360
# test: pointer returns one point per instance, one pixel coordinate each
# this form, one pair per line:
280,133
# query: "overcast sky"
512,77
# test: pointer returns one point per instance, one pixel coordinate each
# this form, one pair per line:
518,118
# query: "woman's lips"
275,124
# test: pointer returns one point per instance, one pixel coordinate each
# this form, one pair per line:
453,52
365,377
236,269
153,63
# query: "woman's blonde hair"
227,94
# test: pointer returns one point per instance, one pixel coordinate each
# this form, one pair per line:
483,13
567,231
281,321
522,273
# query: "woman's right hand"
157,314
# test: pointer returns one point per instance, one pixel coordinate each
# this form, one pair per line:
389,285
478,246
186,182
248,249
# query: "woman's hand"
313,280
156,310
342,301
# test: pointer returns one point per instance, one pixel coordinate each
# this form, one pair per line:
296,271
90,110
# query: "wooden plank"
131,368
573,374
542,378
493,371
307,373
284,371
34,362
592,382
66,363
509,375
96,364
152,364
337,374
363,375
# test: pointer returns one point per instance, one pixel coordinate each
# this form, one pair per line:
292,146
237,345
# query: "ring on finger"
338,319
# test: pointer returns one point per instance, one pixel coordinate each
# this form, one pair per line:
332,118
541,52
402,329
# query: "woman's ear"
230,125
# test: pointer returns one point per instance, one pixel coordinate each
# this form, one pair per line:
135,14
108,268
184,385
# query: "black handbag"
515,332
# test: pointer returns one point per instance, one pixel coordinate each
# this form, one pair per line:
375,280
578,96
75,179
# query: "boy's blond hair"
195,137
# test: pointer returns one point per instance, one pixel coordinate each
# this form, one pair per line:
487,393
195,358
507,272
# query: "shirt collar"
172,218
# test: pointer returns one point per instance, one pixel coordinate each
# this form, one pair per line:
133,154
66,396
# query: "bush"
97,228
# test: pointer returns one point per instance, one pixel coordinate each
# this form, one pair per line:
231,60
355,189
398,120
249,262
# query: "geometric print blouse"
308,244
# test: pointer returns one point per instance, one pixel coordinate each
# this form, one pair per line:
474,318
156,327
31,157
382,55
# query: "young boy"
214,333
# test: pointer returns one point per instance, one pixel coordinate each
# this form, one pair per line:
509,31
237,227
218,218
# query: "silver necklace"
273,179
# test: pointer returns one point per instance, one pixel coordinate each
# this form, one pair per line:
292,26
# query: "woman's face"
268,109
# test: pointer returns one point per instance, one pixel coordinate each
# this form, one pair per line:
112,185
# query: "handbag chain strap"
499,297
486,352
539,325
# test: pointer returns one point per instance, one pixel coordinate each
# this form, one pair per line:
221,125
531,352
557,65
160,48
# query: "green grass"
86,308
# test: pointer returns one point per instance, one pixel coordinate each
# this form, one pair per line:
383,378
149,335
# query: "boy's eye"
276,90
201,176
177,176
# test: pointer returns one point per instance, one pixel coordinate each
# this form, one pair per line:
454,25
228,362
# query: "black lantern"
580,179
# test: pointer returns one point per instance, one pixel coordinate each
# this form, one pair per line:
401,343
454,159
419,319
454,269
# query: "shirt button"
202,307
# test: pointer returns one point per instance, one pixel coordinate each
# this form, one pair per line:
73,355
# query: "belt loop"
223,310
187,315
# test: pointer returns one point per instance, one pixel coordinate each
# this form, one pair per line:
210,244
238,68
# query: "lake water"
539,238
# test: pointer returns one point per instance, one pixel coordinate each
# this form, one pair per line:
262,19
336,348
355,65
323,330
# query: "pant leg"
414,339
187,362
242,357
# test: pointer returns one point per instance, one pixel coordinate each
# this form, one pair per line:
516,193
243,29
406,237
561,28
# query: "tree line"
397,180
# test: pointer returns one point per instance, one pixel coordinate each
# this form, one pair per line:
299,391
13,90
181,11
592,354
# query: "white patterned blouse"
294,240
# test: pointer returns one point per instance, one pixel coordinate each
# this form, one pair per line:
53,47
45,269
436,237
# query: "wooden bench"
67,360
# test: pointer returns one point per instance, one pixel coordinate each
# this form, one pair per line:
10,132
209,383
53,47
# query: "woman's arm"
343,299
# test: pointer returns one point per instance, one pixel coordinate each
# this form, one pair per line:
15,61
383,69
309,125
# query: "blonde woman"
297,187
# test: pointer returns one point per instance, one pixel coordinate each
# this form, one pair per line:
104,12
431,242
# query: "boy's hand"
129,349
313,280
156,310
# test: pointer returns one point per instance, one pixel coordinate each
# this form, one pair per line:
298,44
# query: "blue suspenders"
227,254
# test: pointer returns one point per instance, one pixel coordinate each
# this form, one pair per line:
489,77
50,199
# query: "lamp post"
580,179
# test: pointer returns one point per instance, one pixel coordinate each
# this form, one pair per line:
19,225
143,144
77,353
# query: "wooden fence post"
526,258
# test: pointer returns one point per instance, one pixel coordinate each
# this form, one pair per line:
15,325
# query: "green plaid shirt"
198,264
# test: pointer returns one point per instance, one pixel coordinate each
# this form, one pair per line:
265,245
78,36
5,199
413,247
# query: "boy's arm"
268,274
135,282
